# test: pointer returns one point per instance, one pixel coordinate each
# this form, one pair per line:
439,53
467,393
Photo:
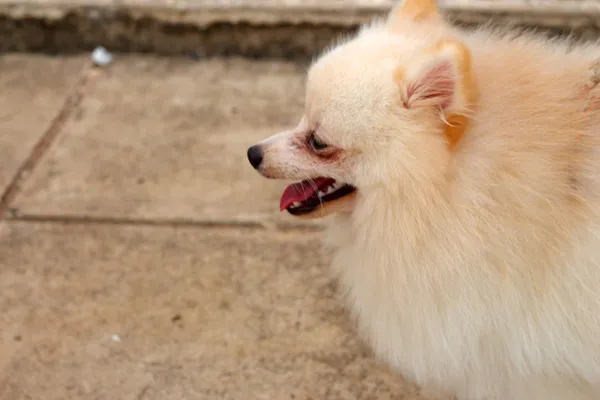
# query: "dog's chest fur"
459,304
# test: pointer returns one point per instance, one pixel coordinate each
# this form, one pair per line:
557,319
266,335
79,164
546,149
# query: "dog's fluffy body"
477,272
473,270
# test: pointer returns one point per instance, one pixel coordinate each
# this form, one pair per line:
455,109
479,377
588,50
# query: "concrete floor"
142,258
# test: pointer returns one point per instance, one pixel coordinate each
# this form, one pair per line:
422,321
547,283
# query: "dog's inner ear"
415,11
441,79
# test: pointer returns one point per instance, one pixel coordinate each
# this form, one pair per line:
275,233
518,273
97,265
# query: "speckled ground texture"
140,255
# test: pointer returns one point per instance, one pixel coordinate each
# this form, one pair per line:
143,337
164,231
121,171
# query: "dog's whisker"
316,188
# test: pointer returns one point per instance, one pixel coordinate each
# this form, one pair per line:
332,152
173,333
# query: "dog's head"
379,110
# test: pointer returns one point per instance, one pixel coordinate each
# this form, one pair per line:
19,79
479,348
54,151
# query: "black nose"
255,156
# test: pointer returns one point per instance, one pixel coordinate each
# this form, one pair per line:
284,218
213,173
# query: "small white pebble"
116,338
101,56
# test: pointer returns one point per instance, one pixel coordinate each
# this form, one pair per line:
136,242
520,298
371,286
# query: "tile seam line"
158,222
48,137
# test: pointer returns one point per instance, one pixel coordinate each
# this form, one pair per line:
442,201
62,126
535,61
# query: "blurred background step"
252,28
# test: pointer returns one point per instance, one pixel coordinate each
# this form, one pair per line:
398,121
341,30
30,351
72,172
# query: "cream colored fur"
474,271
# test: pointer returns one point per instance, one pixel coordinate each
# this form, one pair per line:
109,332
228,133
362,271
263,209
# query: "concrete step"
255,28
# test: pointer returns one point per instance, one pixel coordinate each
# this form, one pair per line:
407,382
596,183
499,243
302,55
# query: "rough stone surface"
33,90
167,139
19,285
165,313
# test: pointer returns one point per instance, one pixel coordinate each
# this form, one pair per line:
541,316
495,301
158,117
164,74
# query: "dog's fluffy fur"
470,251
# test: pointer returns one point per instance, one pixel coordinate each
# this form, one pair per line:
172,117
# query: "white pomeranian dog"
463,172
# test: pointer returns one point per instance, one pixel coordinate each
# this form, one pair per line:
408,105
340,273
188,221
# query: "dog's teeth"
321,194
296,204
330,189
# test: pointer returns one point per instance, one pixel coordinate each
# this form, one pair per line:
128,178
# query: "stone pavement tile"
33,90
164,138
199,314
19,284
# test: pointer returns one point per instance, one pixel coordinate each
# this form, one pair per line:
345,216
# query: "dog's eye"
315,143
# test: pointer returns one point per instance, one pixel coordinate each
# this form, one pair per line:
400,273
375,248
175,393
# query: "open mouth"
305,197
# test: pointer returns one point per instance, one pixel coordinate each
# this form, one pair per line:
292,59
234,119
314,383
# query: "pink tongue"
302,191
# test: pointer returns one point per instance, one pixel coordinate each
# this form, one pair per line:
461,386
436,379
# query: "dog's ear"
425,11
441,79
441,76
